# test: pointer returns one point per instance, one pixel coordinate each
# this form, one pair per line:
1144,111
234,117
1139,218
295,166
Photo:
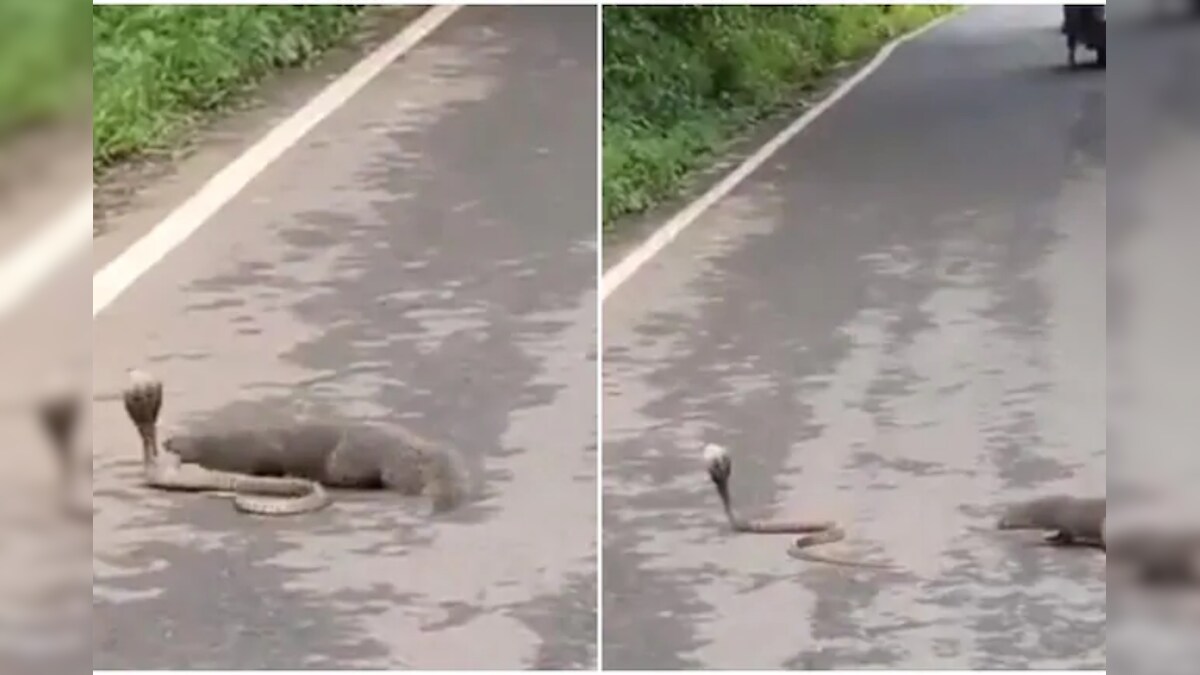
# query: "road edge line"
628,266
35,259
120,273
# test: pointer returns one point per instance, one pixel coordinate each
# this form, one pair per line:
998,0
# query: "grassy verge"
43,62
681,82
159,70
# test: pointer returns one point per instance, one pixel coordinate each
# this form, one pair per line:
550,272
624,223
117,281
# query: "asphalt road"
425,256
45,569
1154,131
897,323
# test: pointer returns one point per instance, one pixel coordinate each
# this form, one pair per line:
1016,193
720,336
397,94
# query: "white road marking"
122,272
665,234
43,252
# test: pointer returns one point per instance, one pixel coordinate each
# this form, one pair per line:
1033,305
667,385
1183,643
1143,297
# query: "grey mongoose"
1154,557
335,455
1066,520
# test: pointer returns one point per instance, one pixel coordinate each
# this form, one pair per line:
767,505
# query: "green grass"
159,70
681,82
43,61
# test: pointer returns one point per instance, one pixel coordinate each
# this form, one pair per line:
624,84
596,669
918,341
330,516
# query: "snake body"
162,470
720,467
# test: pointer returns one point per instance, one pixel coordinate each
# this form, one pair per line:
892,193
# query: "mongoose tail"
720,468
798,550
165,471
1068,521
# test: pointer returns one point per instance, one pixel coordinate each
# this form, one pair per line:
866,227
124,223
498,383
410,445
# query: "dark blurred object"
1084,26
58,413
1158,558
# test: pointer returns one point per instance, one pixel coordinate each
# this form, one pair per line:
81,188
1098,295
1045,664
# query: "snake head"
143,398
718,463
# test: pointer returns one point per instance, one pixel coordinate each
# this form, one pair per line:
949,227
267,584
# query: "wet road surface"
425,256
898,323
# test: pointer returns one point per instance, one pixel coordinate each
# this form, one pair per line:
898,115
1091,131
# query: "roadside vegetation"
681,82
43,62
159,70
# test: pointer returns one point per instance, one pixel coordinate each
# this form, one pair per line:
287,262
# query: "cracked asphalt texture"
425,256
897,323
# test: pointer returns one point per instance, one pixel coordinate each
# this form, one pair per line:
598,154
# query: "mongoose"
1066,520
720,468
354,456
1153,557
163,470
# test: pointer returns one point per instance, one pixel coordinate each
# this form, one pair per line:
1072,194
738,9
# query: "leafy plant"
681,81
159,69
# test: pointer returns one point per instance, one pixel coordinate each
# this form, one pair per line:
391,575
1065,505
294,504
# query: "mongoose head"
1031,515
187,448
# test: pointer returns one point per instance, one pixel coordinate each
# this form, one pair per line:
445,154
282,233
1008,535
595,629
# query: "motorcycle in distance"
1084,26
